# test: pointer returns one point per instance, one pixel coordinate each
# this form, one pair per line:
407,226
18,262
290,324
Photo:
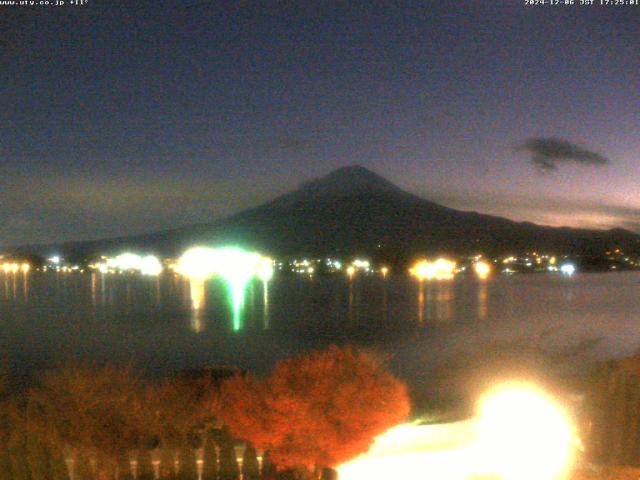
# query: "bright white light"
234,265
523,435
520,434
423,451
128,261
265,269
55,259
198,263
147,265
363,264
422,270
568,269
150,265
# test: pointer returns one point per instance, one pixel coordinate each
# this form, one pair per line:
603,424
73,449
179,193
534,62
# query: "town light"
568,269
441,269
234,265
197,263
150,265
351,270
265,269
126,261
421,270
482,269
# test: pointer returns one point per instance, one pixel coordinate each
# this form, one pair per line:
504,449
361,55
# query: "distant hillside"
353,210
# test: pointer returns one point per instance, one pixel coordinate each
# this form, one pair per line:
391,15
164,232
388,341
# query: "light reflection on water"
168,324
483,301
197,293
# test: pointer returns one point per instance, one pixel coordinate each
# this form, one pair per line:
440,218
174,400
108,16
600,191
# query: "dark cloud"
548,153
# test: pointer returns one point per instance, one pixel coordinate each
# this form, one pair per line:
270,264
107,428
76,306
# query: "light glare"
482,269
520,433
234,265
150,265
568,269
523,435
441,269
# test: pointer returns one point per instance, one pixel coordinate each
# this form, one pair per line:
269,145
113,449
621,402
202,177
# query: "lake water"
47,318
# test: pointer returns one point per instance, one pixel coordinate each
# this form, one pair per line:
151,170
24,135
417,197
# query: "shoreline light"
148,265
265,269
197,263
235,266
482,269
351,271
440,269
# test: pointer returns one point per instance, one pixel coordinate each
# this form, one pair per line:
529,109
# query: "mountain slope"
353,210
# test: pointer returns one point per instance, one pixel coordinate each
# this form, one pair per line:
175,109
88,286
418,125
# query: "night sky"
126,117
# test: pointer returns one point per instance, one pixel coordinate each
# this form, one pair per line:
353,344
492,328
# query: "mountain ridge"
354,210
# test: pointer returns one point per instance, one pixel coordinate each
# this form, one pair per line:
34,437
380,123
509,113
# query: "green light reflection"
235,266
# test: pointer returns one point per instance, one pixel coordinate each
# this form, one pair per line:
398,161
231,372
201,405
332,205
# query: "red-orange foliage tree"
174,412
316,410
89,413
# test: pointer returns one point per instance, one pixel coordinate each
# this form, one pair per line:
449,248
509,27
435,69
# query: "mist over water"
48,318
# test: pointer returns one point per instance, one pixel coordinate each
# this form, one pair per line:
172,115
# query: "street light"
70,461
217,449
93,464
260,458
176,462
71,466
133,464
239,451
200,461
155,462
